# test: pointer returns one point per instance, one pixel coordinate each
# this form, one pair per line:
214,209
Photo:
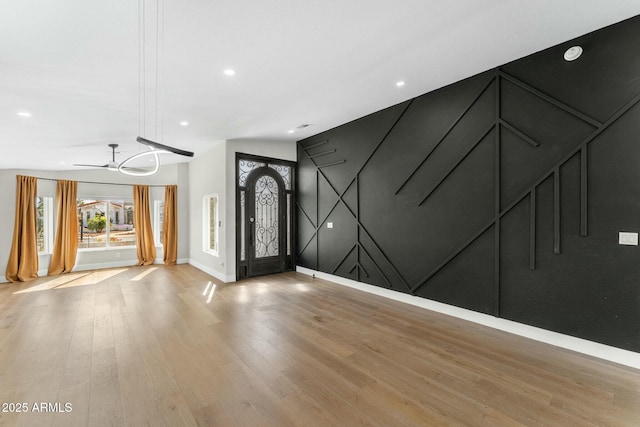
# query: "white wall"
213,172
182,180
207,176
168,174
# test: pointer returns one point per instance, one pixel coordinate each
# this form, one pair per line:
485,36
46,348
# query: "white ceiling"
75,65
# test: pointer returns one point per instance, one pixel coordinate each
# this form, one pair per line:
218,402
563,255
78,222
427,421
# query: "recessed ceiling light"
400,83
229,72
290,131
63,163
184,123
573,53
24,114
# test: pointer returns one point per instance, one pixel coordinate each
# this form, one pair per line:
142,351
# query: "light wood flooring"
160,346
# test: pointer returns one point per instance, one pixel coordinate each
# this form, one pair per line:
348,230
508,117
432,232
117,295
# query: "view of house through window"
105,223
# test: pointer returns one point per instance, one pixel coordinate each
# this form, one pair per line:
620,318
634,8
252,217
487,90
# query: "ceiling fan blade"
159,146
91,166
127,168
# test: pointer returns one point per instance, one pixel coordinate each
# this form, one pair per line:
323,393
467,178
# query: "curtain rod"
102,183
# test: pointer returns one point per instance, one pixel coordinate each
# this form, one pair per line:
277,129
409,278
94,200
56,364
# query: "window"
210,224
44,224
158,221
105,224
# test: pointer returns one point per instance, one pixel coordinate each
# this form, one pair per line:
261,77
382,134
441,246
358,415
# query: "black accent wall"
503,193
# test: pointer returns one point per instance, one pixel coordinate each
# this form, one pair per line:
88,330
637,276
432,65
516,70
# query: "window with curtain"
44,224
158,220
105,223
210,226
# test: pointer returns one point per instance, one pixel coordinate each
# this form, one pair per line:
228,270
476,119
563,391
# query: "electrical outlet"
627,238
117,254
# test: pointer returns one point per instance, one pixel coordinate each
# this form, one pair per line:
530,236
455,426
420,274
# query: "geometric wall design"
502,193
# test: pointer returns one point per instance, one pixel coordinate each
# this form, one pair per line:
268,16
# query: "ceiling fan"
112,165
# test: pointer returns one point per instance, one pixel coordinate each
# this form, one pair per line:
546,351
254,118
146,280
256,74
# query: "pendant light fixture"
154,148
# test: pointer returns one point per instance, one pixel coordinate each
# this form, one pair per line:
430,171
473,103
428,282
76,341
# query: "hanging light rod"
159,146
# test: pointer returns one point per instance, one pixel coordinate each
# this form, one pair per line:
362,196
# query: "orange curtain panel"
145,246
170,225
23,259
65,246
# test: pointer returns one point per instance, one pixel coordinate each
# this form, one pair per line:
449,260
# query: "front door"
265,222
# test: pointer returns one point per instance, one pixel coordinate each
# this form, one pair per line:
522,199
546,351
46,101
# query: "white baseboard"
218,275
601,351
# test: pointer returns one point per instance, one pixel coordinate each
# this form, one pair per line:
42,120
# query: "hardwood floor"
172,346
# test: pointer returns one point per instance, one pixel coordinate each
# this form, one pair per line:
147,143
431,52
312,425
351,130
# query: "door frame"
277,263
241,180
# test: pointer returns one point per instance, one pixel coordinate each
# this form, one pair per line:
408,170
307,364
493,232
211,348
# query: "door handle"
251,230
